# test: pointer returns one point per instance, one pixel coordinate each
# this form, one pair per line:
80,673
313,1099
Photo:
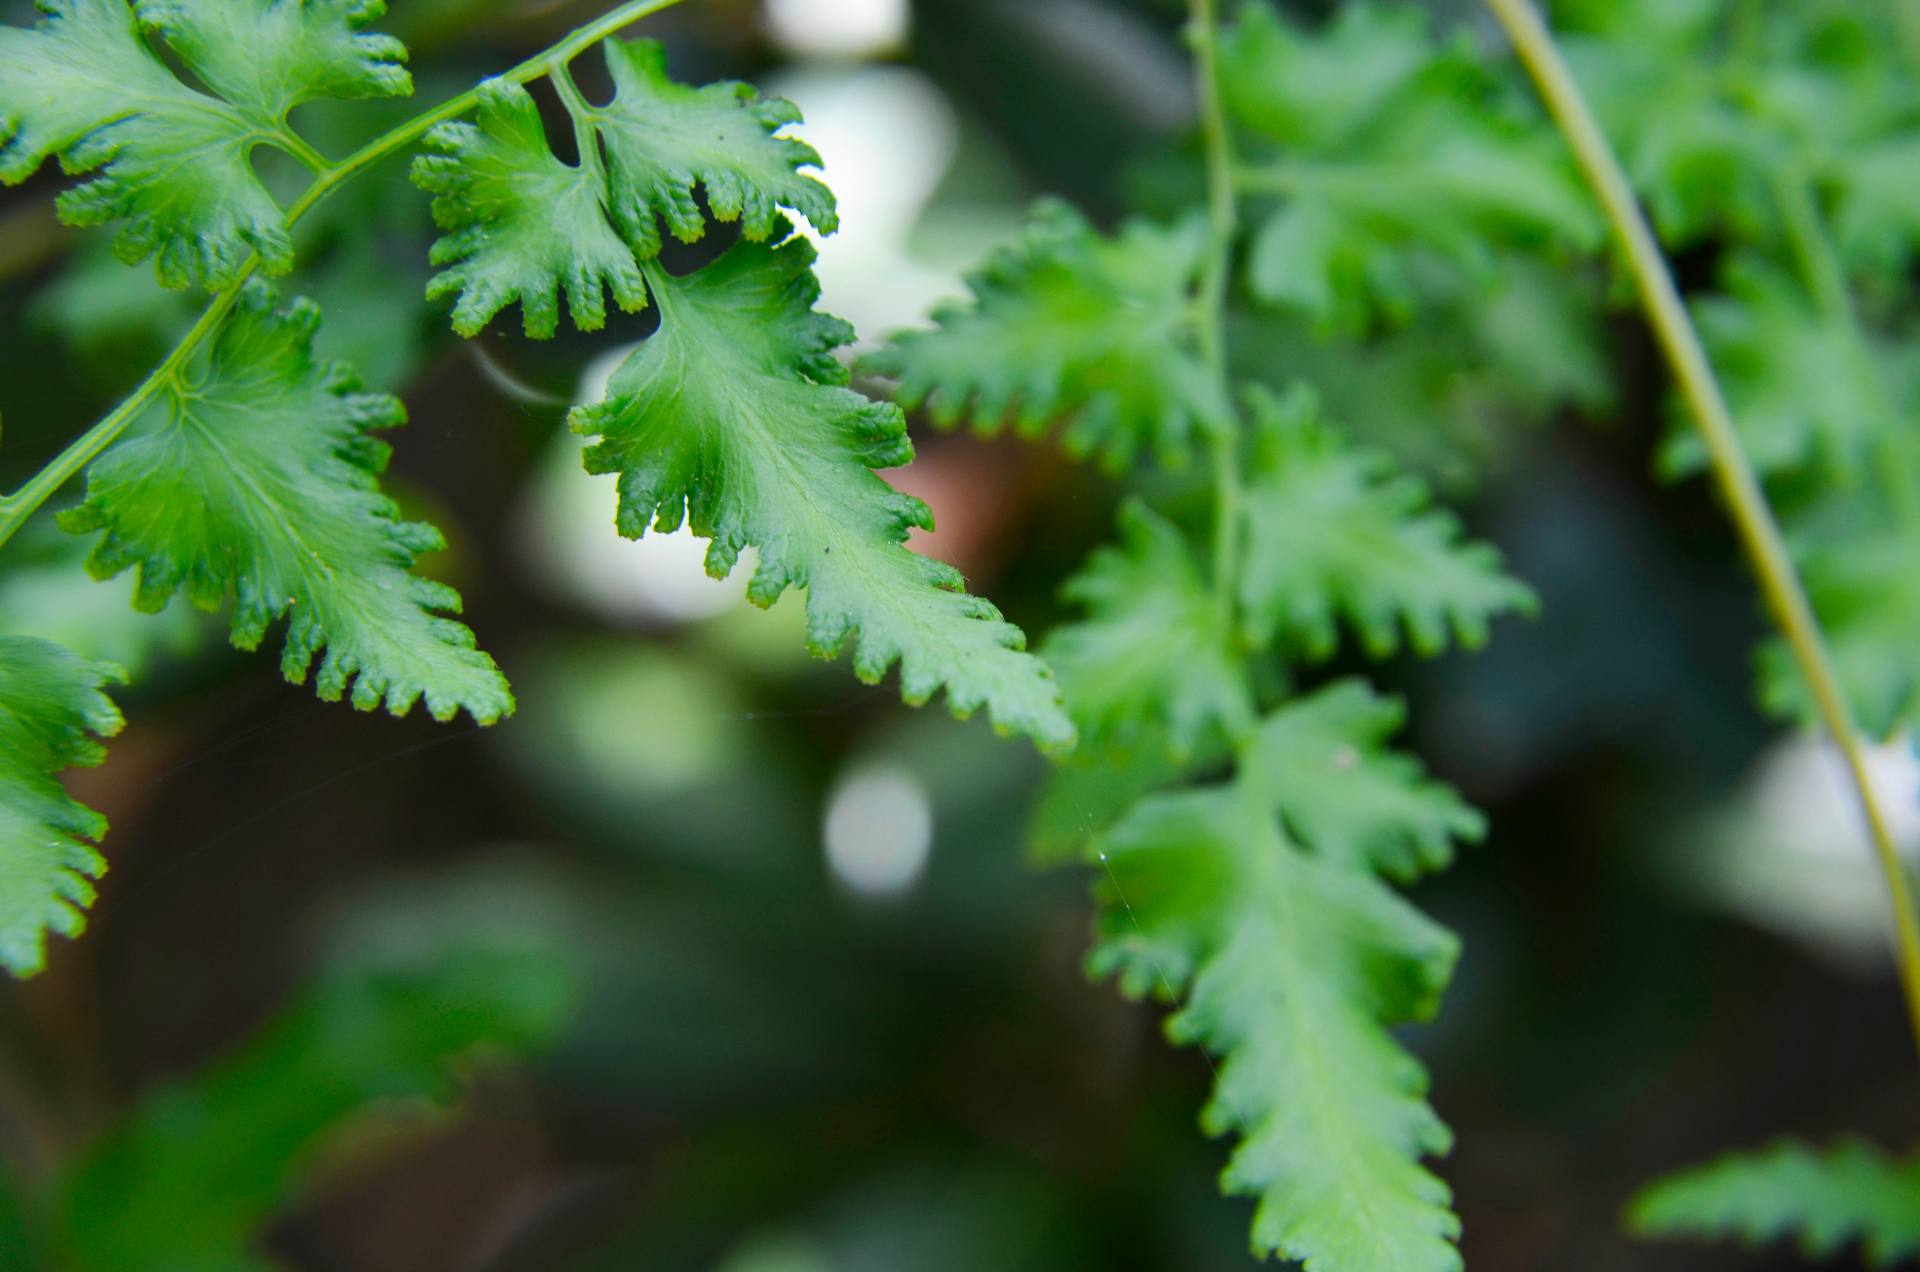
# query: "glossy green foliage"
257,481
1380,168
1154,665
172,161
520,222
735,418
52,714
663,139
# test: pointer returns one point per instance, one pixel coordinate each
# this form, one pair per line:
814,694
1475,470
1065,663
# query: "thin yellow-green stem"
585,139
15,508
1759,534
1223,216
297,146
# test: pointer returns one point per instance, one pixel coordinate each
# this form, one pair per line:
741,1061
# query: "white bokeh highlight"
878,830
1793,854
839,28
886,137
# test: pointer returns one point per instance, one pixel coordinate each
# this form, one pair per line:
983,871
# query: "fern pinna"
1388,200
245,469
1248,831
1384,205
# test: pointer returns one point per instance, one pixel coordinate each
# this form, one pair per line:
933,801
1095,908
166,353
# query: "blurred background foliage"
710,958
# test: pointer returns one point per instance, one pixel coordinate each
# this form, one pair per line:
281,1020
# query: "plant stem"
585,140
1759,533
15,508
1223,216
297,146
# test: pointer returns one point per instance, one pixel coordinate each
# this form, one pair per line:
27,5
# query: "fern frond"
734,417
1295,968
173,162
1067,326
1383,146
256,478
1323,763
52,711
1153,665
1334,533
520,223
663,139
1826,1200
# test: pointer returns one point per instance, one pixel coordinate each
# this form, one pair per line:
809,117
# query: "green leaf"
1445,395
1802,392
45,592
734,418
255,477
1084,795
1382,147
1866,593
1334,533
1876,221
1826,1199
199,1168
268,56
51,711
1711,110
1068,325
1317,91
664,138
1154,662
1322,762
174,162
520,223
1295,969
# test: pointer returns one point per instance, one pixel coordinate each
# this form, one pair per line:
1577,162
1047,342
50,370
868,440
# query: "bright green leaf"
1154,662
663,138
520,223
1068,325
1294,969
1322,761
256,477
1334,533
734,418
174,162
268,56
51,712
